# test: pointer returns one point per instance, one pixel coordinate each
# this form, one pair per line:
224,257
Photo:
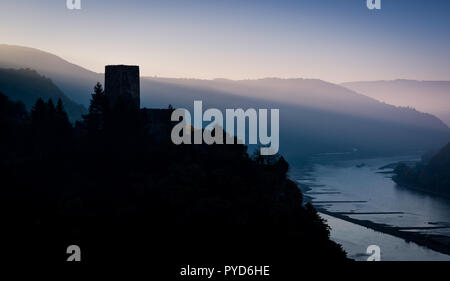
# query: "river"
360,190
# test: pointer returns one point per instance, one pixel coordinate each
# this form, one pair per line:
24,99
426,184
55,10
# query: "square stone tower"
122,83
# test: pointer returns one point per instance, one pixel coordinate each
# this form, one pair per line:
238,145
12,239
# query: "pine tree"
51,110
61,114
38,112
95,120
62,122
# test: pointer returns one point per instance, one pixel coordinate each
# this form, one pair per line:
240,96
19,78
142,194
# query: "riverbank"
414,187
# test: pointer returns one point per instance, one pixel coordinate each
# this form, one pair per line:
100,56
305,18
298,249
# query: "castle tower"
122,83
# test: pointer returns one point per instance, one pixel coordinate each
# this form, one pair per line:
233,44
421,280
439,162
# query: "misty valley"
132,127
223,140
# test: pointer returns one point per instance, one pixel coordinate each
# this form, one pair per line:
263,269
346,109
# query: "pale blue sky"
334,40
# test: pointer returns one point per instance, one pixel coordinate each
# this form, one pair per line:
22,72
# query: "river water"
360,187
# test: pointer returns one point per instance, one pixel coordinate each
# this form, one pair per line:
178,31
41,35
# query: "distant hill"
27,86
427,96
431,176
308,93
316,116
76,82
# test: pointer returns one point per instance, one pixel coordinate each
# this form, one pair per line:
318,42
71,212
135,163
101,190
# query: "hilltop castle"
122,86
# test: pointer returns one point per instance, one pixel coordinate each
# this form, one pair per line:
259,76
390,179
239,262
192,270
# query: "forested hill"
112,188
432,175
28,86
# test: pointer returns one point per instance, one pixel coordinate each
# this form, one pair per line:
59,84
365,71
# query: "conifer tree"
61,114
38,112
62,123
95,119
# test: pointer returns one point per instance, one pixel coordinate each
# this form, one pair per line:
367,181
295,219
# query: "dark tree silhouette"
61,115
107,182
51,110
38,112
95,120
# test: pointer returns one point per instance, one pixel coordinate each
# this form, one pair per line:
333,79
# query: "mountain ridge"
316,116
424,95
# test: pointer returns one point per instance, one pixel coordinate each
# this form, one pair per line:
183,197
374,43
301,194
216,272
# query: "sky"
333,40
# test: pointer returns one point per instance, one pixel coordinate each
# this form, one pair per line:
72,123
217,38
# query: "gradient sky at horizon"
337,41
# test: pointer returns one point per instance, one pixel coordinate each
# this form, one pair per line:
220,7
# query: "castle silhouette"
122,85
